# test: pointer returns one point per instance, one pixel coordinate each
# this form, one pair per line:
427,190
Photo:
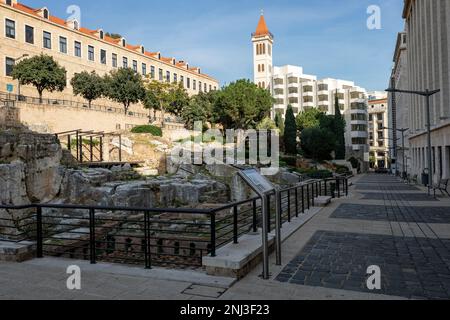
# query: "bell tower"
262,41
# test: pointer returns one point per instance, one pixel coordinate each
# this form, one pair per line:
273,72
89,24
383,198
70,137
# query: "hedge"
153,130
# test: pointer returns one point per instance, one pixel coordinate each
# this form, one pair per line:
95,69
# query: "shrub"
153,130
316,174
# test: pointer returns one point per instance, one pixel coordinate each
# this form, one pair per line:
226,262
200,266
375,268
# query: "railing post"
255,220
312,195
338,187
303,199
213,234
326,189
289,205
147,247
308,196
346,187
269,210
39,235
235,224
92,245
296,202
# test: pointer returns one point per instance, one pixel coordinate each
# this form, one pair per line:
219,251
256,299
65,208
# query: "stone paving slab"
411,267
400,214
398,197
399,187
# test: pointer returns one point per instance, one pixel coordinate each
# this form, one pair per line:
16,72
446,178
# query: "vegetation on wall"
153,130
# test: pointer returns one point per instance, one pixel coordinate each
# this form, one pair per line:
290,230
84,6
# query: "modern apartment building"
378,130
427,60
26,31
290,86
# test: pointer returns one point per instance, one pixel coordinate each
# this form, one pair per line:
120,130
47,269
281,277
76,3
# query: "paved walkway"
383,222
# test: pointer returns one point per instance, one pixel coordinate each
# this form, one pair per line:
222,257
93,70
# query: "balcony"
293,95
308,105
308,94
359,134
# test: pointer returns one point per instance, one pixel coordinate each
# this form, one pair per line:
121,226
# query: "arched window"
262,68
102,34
124,42
264,48
257,49
259,68
76,25
264,84
46,14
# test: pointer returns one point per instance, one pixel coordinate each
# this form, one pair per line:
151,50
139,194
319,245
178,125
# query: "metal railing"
69,103
151,236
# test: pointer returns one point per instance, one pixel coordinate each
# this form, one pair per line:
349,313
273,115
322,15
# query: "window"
124,42
160,75
103,56
168,76
9,2
63,45
205,87
91,53
144,69
135,66
194,85
29,34
114,60
47,40
188,83
77,49
152,72
125,62
10,27
102,34
175,77
182,80
200,86
9,66
46,14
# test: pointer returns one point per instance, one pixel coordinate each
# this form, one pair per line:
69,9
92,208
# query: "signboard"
9,88
257,181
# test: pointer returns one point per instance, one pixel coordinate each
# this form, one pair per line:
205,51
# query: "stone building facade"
26,32
427,28
378,133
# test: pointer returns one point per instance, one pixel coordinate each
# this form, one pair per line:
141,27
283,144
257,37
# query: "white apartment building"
379,142
290,86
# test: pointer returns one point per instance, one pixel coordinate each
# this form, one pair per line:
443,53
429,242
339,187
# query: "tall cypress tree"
290,132
339,126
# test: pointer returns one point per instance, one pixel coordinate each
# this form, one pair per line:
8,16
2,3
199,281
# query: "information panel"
257,181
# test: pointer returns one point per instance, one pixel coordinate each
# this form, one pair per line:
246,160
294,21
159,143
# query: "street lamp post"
427,94
405,169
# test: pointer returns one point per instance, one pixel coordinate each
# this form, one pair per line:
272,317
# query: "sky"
328,38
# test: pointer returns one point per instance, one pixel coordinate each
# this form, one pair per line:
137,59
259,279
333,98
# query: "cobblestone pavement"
399,214
414,259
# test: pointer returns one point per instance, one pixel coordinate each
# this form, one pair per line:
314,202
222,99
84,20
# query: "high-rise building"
290,86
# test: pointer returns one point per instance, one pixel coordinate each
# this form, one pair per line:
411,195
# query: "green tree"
88,85
242,105
339,127
124,86
166,97
308,119
266,124
43,72
279,123
290,132
178,98
318,143
198,109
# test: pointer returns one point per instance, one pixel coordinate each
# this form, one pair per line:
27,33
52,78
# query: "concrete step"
322,201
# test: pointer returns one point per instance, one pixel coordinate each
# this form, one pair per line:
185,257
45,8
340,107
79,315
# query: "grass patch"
153,130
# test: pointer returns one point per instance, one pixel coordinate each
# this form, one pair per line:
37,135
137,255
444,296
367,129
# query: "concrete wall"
54,118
